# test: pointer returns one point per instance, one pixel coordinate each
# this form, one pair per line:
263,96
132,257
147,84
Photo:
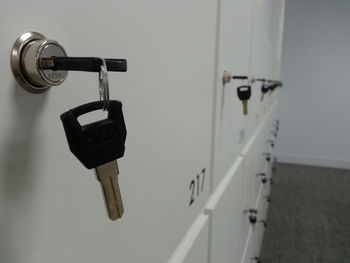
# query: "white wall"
314,106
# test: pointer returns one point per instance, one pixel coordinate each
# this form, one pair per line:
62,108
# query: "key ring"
103,85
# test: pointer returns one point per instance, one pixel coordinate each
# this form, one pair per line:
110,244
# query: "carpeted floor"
309,216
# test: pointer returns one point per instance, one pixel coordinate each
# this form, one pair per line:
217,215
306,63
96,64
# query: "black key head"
244,92
252,219
96,143
265,88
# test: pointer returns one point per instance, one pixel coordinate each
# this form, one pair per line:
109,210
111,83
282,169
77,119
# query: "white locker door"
260,65
234,27
51,206
226,213
277,23
263,148
250,180
256,69
262,216
249,248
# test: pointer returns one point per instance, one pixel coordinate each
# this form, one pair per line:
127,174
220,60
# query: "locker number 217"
197,186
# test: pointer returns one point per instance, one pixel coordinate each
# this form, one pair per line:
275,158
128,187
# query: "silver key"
107,175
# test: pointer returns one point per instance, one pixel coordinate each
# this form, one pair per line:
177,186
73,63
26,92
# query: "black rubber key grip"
96,143
244,92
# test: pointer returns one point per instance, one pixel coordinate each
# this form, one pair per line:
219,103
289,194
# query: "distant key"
264,89
244,93
98,145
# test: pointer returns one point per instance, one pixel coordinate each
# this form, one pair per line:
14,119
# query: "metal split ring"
103,85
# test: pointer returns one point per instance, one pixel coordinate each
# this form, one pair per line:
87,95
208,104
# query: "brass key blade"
107,175
245,107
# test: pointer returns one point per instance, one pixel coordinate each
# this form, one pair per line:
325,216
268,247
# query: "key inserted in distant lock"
37,64
243,92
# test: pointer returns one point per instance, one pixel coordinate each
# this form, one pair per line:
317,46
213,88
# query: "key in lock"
98,145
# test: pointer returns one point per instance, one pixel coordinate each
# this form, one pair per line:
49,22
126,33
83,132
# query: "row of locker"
223,232
182,122
257,52
234,130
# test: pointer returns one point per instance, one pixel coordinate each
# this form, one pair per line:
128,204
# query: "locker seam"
213,134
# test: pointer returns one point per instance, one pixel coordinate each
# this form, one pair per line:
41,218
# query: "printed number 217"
197,185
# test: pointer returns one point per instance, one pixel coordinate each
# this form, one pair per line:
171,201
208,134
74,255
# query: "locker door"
257,67
260,162
249,248
51,206
261,61
234,27
260,228
274,18
277,21
226,213
250,180
268,129
262,148
254,237
267,135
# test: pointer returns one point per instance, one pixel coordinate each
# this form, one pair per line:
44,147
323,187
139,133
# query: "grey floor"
309,216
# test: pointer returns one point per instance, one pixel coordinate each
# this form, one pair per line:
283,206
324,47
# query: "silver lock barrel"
33,53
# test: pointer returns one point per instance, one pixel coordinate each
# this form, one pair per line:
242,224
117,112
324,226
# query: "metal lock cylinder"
26,61
38,63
